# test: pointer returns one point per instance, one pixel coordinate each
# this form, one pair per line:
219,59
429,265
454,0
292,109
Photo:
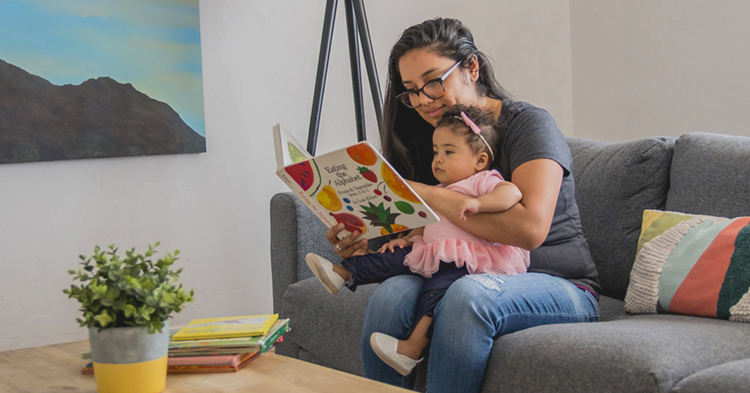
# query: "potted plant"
126,304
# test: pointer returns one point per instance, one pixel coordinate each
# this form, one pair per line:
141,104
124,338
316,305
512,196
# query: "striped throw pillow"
691,264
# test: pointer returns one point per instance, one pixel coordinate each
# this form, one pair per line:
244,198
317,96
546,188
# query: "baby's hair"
452,120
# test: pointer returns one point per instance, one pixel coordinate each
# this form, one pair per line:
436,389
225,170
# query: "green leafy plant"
129,291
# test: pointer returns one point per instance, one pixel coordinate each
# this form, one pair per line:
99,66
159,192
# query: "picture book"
244,326
355,186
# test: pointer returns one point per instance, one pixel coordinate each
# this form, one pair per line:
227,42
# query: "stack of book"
217,345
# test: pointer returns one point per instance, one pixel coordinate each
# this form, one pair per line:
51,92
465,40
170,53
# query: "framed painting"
99,78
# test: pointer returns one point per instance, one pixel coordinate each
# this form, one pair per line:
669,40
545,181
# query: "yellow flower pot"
129,359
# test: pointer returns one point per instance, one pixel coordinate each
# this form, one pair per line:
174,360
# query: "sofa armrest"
295,231
283,246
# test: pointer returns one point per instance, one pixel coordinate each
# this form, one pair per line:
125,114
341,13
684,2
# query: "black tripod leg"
320,80
372,72
359,108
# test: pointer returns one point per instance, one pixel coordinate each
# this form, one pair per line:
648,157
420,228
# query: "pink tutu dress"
447,242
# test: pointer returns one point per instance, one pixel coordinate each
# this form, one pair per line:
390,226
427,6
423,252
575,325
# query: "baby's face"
452,158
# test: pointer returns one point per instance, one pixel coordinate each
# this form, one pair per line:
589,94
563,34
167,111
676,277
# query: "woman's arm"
501,198
524,225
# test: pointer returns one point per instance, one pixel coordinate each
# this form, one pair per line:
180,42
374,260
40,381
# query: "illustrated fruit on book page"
404,207
397,186
303,174
395,228
368,174
380,216
362,154
329,199
294,154
351,222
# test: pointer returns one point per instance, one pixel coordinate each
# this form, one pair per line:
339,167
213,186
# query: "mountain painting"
99,78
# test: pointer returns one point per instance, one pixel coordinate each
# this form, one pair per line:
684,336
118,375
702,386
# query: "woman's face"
420,66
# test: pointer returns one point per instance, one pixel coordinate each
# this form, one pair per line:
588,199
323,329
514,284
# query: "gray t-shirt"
531,133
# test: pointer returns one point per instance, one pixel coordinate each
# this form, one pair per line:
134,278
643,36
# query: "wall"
667,67
259,64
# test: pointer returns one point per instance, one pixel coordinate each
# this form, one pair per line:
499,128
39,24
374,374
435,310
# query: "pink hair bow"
474,127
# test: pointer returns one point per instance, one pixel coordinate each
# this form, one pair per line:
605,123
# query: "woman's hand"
468,206
347,246
391,245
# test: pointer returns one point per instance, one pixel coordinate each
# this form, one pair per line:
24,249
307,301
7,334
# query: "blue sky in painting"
152,44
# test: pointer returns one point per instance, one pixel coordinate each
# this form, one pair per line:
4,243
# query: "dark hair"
452,120
406,138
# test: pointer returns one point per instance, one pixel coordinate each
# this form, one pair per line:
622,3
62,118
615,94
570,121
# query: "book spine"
270,340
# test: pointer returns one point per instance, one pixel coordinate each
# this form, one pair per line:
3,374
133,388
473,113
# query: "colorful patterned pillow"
691,264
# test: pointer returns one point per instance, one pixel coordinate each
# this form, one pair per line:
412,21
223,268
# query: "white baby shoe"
385,347
323,270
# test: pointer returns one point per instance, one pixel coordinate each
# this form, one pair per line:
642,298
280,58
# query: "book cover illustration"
249,325
355,186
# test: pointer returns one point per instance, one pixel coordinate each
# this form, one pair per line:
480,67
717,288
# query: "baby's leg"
359,269
413,346
375,267
432,291
341,271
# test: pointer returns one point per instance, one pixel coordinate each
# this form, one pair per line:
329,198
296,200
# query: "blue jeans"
475,310
377,267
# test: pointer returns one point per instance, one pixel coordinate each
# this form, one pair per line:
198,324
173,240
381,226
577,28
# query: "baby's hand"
400,243
468,206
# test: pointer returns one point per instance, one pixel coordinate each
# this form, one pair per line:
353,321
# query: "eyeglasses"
433,89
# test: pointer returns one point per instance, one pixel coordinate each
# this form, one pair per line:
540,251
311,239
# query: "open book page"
357,187
288,150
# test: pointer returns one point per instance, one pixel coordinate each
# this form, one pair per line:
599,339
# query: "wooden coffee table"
57,368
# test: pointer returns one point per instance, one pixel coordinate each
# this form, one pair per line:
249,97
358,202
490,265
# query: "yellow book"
244,326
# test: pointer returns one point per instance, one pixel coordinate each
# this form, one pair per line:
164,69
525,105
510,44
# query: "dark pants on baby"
376,268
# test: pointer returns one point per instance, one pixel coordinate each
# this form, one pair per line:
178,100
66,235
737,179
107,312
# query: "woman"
433,66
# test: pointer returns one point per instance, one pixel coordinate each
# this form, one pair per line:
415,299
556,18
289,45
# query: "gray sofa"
695,173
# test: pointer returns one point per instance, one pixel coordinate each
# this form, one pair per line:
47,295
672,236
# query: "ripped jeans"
475,310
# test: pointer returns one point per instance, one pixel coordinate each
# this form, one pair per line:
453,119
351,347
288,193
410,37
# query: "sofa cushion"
615,182
727,377
710,175
692,264
328,328
611,309
641,353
